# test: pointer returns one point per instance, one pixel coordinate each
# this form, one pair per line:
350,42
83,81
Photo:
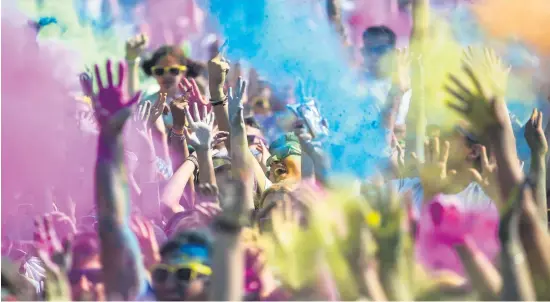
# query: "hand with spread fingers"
110,108
191,93
135,46
236,105
177,108
56,258
148,244
201,130
157,108
534,134
487,178
482,108
433,172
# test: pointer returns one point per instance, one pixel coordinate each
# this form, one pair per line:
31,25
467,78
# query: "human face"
86,280
168,72
178,279
460,151
375,47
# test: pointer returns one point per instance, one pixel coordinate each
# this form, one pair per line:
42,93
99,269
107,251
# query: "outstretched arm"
120,255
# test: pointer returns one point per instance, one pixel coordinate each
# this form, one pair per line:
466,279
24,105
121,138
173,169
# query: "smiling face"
167,71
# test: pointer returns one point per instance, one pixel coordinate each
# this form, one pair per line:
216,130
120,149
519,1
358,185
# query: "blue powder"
283,40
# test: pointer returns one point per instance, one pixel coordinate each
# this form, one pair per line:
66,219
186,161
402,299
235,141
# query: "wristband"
223,101
193,159
134,61
177,132
226,225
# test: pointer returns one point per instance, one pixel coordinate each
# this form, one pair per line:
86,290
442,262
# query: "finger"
121,70
460,85
67,244
243,88
189,117
539,120
436,149
150,230
109,72
186,134
135,99
456,95
473,78
484,158
427,151
476,176
300,93
182,88
210,118
230,93
195,89
446,148
457,108
98,77
142,227
147,111
86,84
186,84
196,112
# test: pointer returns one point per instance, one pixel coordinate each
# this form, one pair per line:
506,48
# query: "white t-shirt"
472,198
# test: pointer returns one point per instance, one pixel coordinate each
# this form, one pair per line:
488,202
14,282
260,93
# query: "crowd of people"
214,184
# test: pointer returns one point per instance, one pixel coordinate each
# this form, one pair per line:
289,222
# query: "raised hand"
135,46
201,136
111,110
236,104
219,138
402,76
145,234
488,178
141,119
218,68
482,109
56,258
177,108
534,134
157,108
434,175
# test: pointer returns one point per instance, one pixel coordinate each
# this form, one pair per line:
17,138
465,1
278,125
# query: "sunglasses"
93,275
173,70
184,272
279,154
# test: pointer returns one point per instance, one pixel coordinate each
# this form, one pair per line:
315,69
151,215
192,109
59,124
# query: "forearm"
206,167
147,163
510,175
174,189
228,266
120,253
180,152
538,176
160,145
222,118
133,76
334,13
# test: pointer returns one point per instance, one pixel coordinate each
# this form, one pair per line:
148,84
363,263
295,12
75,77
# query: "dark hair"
379,31
201,237
84,246
194,69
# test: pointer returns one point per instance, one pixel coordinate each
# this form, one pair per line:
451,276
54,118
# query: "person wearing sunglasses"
168,65
86,274
184,271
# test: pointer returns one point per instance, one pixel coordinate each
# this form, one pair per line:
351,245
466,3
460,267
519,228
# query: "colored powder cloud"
40,141
290,39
